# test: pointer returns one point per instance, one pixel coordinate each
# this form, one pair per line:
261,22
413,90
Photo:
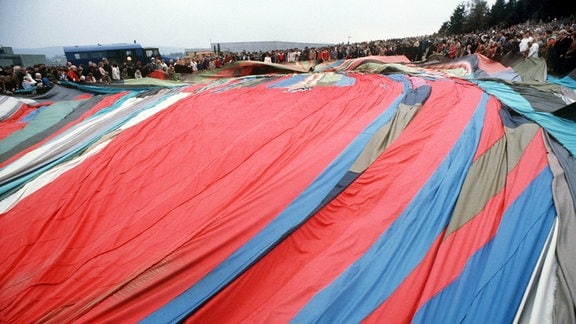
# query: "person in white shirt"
523,46
115,72
28,82
534,48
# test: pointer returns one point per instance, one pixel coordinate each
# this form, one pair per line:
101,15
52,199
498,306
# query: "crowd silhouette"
553,41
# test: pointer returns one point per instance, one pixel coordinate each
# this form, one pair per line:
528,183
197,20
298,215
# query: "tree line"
475,15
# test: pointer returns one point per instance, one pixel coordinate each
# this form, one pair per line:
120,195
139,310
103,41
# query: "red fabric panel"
493,129
13,123
490,66
282,282
441,266
83,96
167,200
157,74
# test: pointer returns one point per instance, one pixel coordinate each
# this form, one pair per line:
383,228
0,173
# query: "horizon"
189,27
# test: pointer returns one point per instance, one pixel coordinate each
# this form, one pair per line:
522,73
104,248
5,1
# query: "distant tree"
457,20
513,15
444,29
529,9
477,18
474,15
557,9
498,13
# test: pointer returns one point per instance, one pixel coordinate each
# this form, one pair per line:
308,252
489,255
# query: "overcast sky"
197,24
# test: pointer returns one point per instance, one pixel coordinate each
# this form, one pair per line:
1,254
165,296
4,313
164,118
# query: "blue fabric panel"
345,81
288,82
31,115
562,129
418,95
476,296
565,81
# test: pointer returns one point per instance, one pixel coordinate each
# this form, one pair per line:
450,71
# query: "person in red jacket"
325,55
72,74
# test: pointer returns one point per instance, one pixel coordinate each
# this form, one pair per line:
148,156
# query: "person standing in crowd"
104,75
72,74
524,43
534,48
280,57
115,72
562,45
570,56
28,82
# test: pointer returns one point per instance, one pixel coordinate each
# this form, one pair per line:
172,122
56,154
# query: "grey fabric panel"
487,175
8,107
532,69
410,105
538,300
45,118
569,95
58,93
572,74
540,100
563,166
511,59
568,112
567,162
384,136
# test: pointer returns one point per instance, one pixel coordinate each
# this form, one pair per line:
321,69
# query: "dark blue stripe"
373,278
491,286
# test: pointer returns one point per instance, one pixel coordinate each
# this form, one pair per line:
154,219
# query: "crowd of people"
553,40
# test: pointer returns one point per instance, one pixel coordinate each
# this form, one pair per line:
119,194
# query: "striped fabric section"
270,193
376,204
287,221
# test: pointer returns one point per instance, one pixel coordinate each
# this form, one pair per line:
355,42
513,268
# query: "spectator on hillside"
19,73
72,74
3,90
28,82
524,45
324,55
534,48
90,78
104,75
116,72
62,74
41,82
11,84
562,45
453,50
171,72
280,57
570,56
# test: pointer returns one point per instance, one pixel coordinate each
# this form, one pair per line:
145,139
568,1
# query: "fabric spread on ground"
367,190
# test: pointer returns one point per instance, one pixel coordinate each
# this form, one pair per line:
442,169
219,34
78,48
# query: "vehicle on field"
119,53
